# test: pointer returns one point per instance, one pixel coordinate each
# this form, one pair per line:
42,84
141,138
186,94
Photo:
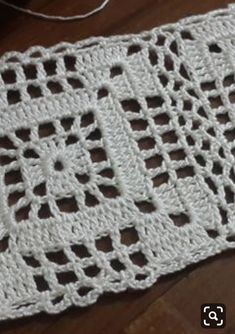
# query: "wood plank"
171,305
178,310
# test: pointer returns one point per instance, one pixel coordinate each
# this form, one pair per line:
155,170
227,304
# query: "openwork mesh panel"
116,162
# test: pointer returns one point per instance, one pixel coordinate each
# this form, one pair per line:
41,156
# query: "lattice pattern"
116,162
48,168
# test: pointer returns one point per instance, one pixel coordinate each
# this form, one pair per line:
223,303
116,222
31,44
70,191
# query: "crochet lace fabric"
116,162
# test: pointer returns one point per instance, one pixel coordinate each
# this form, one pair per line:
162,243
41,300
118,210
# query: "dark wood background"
172,306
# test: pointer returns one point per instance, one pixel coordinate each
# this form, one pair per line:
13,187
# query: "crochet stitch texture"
116,162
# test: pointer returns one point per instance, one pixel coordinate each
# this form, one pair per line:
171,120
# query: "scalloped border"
177,263
88,42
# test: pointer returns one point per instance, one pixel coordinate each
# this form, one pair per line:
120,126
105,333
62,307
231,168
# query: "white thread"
56,17
117,162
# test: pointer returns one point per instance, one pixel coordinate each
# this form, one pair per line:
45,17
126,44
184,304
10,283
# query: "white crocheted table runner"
116,162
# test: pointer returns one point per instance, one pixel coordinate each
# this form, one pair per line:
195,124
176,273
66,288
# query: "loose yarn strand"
137,135
56,17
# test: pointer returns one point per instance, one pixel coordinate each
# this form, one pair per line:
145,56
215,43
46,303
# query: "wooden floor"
172,306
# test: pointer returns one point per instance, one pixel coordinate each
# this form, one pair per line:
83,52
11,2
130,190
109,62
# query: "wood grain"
172,306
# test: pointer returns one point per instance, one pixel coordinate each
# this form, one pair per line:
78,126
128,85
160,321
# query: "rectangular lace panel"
116,162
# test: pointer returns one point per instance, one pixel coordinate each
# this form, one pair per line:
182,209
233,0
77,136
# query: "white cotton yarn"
116,162
56,17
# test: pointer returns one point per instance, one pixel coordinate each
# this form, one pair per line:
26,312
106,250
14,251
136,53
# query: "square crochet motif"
116,162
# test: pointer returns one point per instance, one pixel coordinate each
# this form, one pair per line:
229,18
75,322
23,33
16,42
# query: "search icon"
213,315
